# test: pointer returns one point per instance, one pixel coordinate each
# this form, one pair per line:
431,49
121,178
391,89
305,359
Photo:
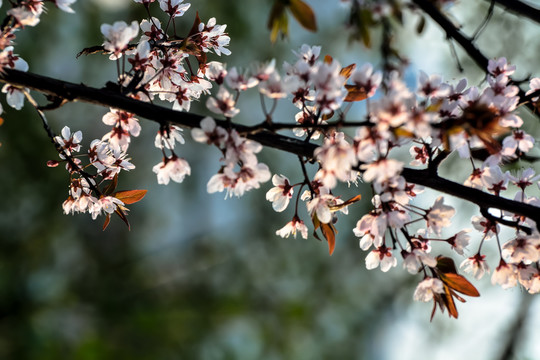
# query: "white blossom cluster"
428,123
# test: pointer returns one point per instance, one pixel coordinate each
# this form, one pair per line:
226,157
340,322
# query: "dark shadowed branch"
160,114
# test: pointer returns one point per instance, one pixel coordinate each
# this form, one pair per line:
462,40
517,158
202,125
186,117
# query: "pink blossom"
476,265
64,5
174,8
522,249
223,103
519,140
459,241
382,257
118,36
366,79
281,193
500,67
505,275
172,168
214,37
431,86
168,136
293,226
438,216
487,227
69,142
238,81
209,133
14,96
381,170
109,204
428,288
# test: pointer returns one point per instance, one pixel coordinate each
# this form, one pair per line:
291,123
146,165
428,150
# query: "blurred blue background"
200,277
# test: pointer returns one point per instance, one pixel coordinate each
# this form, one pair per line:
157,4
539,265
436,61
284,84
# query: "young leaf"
355,93
112,186
329,232
459,283
346,203
304,14
277,22
107,222
347,71
130,196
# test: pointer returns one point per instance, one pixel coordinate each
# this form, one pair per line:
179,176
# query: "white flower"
281,193
168,136
65,5
14,96
381,256
174,8
223,103
118,36
519,140
460,241
438,216
476,265
427,288
209,133
110,203
366,79
505,275
292,227
173,168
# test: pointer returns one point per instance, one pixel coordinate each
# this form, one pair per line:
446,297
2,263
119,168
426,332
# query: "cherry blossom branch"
467,43
108,98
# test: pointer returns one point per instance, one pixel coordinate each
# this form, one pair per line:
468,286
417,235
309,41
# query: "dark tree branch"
521,9
452,32
467,43
105,97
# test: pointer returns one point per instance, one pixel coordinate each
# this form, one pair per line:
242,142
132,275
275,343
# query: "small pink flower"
505,275
173,168
382,257
292,227
476,265
118,36
427,288
438,216
223,103
281,193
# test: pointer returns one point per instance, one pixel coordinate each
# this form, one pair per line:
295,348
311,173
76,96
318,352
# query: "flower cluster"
241,171
401,127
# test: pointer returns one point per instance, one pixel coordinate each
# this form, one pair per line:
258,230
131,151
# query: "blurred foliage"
197,277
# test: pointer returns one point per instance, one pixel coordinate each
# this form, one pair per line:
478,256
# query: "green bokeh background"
199,277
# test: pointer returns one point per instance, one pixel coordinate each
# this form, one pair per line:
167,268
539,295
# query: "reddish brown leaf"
460,284
449,302
130,196
304,14
346,203
195,27
329,232
347,71
446,265
107,221
277,22
328,59
123,216
355,93
327,116
112,186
